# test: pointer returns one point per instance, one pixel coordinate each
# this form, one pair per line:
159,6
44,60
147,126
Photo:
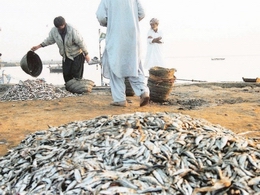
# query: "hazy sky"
191,27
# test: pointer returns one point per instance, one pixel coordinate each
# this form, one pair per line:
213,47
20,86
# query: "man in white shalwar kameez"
154,56
121,57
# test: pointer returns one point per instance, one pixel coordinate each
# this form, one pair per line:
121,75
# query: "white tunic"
122,50
154,53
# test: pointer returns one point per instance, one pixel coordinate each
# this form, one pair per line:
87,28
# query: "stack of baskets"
160,83
79,86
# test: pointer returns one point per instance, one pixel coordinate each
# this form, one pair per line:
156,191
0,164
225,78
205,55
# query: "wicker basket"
79,86
158,71
161,79
160,83
159,91
128,88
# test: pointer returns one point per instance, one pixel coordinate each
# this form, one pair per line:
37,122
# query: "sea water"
230,68
91,72
189,69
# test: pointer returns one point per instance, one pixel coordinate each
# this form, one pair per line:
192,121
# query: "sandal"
122,103
144,99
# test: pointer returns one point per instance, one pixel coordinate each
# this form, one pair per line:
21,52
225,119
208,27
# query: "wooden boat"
55,69
251,80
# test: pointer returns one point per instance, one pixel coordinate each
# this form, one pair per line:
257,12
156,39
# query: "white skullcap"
154,21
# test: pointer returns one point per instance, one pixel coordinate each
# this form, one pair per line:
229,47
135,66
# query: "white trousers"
118,87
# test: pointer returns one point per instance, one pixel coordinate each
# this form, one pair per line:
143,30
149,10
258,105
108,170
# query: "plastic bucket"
31,64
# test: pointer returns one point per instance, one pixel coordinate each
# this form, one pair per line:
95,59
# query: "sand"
235,106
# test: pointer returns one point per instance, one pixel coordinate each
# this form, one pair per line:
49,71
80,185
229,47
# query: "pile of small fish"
34,89
139,153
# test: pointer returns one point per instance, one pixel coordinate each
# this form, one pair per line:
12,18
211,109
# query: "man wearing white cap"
154,46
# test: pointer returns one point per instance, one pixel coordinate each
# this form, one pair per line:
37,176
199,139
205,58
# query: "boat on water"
217,58
251,80
55,69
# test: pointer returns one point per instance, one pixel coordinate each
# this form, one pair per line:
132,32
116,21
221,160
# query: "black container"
31,64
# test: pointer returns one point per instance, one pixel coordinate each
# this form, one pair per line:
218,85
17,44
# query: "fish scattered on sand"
34,90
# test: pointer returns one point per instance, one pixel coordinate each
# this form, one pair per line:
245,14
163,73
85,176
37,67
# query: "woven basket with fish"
79,86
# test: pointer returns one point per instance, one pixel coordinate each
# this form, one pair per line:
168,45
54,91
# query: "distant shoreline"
3,64
14,64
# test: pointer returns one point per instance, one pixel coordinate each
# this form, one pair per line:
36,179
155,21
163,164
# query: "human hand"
157,40
87,58
34,48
